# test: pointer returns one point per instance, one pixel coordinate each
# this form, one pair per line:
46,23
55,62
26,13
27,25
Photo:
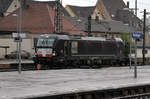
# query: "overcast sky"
142,4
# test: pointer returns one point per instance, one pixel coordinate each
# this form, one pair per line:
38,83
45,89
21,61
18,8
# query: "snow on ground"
53,82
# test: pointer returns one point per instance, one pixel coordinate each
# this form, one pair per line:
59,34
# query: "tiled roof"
115,10
4,4
33,20
38,18
129,18
109,26
82,11
113,6
51,4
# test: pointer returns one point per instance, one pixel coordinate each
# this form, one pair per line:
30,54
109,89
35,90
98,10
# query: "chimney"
128,4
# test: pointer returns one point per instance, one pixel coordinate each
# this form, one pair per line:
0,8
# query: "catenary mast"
58,18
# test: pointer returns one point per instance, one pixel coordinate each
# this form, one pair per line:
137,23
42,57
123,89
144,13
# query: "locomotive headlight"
54,54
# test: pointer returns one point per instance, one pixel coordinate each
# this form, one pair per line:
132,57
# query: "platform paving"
54,82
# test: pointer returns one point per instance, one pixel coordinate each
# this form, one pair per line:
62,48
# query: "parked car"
24,54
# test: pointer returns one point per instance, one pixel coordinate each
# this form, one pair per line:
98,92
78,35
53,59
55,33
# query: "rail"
137,96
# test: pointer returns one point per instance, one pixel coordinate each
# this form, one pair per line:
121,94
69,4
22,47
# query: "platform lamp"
135,66
19,32
130,59
144,31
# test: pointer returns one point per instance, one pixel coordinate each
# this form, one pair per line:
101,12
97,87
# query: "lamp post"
130,59
144,31
143,52
135,66
19,32
17,16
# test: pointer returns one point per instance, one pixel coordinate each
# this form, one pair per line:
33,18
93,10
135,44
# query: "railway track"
138,96
136,92
31,66
6,67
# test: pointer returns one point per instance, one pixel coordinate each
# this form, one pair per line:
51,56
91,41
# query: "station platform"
30,84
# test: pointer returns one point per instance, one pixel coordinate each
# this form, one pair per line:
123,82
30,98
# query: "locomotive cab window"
74,47
45,42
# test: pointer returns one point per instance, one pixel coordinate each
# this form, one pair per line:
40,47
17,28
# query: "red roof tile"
38,18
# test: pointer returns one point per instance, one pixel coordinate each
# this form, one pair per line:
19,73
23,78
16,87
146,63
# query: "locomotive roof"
101,39
66,37
63,37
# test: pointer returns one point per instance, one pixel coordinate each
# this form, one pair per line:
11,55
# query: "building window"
144,51
74,47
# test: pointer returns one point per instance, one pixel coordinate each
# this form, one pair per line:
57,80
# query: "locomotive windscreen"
44,47
45,42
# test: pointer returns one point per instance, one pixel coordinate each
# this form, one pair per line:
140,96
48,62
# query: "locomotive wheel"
90,63
55,65
65,64
75,64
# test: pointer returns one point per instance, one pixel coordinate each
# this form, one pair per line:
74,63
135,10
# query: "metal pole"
136,7
89,25
130,48
20,25
17,44
135,67
144,36
130,59
58,18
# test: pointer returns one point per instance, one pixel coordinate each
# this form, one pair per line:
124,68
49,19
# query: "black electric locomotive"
63,50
